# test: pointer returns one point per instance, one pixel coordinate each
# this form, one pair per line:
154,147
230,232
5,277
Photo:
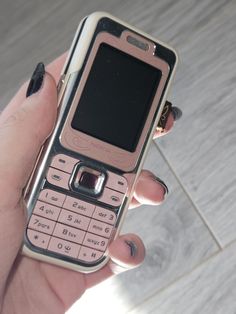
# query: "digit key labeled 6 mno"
100,228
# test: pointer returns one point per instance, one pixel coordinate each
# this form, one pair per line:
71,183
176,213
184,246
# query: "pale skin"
27,285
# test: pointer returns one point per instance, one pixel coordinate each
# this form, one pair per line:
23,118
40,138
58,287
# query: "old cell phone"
110,98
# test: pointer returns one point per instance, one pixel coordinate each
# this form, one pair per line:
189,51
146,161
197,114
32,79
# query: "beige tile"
211,288
202,148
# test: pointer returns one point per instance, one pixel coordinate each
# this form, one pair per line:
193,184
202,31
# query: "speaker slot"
138,43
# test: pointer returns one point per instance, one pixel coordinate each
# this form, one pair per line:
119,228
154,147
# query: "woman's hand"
31,286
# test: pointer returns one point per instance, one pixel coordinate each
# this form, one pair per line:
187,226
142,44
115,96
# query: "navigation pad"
88,180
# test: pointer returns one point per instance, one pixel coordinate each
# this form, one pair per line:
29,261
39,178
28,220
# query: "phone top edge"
89,24
101,14
72,47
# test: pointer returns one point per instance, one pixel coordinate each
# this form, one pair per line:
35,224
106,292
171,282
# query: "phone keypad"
68,225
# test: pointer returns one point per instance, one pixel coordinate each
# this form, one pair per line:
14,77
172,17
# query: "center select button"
88,180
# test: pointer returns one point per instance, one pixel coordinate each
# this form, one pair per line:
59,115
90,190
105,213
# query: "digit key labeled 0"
64,247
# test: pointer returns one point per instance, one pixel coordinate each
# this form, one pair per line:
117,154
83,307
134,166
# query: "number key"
64,247
41,224
46,210
74,220
105,215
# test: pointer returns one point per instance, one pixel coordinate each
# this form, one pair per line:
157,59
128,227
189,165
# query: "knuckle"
15,118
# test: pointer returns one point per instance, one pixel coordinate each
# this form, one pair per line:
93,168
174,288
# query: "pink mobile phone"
111,94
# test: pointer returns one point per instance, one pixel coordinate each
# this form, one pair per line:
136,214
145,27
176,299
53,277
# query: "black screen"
116,98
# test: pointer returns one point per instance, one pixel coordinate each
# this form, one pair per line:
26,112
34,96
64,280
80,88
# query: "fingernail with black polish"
36,80
163,184
132,246
177,113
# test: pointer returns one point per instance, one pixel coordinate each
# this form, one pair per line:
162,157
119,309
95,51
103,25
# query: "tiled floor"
190,263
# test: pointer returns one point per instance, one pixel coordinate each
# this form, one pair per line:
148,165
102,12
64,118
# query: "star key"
38,239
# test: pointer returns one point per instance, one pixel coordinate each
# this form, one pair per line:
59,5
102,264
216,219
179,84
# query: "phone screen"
117,97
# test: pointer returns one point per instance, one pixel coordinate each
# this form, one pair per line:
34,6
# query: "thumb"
22,134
